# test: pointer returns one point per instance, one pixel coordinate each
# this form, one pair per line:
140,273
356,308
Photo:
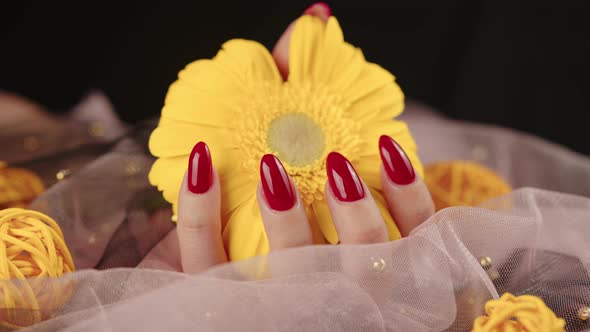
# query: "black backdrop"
522,64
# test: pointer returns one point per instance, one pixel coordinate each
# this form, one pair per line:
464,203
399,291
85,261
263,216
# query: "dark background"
522,64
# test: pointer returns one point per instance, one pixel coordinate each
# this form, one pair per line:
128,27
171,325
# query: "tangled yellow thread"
32,249
512,313
462,183
18,187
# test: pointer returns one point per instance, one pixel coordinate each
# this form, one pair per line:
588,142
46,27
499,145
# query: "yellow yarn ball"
462,183
18,187
32,249
518,313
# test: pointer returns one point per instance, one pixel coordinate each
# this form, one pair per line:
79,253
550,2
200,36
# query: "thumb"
280,52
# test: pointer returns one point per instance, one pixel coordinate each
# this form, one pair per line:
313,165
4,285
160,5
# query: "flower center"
296,138
300,124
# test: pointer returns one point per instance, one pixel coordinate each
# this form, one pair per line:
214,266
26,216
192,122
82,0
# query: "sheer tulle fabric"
432,280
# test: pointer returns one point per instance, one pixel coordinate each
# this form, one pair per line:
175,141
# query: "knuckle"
423,212
196,223
289,238
289,242
370,234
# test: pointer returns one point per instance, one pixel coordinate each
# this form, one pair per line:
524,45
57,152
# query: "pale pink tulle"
431,281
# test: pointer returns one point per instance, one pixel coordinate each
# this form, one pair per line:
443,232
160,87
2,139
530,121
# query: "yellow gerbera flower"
240,106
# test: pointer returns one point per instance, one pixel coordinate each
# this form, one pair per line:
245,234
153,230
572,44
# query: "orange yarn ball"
18,187
525,313
32,255
462,183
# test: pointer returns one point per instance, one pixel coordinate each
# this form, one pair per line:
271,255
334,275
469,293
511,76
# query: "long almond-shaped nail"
395,161
343,179
200,169
275,184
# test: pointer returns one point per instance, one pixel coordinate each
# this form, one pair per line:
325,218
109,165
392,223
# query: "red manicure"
395,161
275,184
344,181
319,9
200,169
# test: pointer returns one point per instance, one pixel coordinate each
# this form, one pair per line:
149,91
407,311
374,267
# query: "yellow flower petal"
210,92
383,103
184,103
318,53
324,220
397,130
229,74
369,169
306,34
331,57
371,78
173,138
263,245
236,190
167,174
392,230
248,60
243,231
234,103
316,233
211,78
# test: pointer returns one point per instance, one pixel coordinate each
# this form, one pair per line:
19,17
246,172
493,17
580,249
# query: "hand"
354,212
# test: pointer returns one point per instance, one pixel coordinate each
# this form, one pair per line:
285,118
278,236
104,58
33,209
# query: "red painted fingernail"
319,9
395,161
275,184
200,169
344,181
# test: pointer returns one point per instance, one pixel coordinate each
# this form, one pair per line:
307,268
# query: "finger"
165,255
281,50
199,221
354,212
282,213
408,198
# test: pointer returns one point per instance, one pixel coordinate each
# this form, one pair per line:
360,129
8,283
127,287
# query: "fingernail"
275,184
200,169
344,181
395,161
319,9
